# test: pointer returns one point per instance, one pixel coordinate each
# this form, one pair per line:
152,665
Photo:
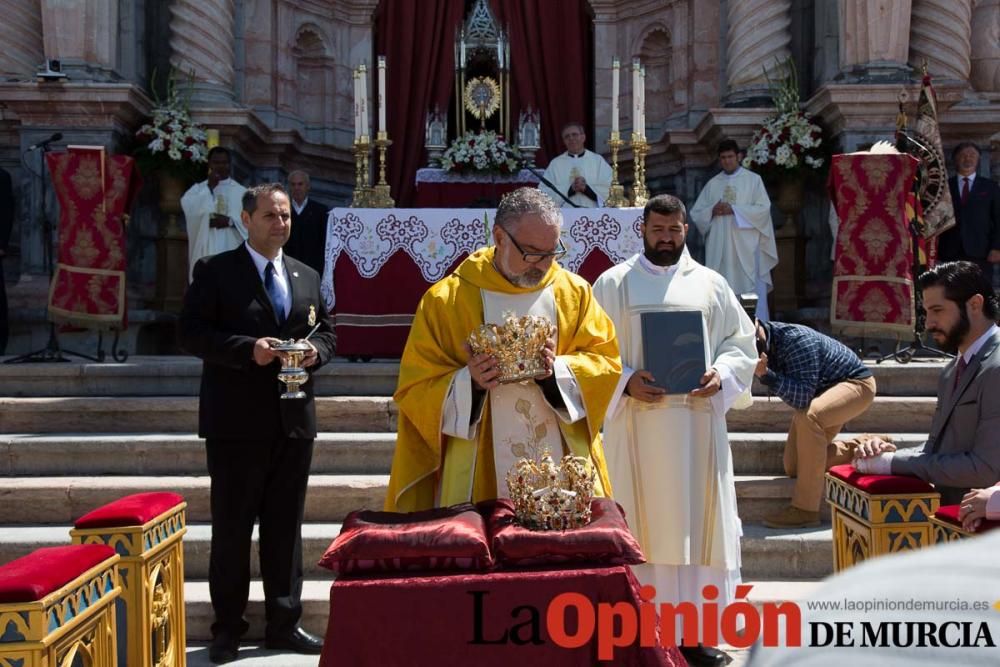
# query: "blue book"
674,349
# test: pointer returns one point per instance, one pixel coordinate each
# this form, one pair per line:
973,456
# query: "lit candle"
635,96
615,66
381,94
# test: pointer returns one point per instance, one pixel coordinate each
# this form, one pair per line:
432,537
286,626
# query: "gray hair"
252,194
299,171
526,201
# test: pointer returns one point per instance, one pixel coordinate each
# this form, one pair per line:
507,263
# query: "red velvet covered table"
381,261
432,620
437,188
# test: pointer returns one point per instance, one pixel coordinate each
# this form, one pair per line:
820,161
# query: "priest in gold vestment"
459,430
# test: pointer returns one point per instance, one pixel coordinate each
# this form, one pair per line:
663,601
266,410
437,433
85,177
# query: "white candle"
463,52
381,94
357,105
615,66
635,96
642,100
500,52
363,72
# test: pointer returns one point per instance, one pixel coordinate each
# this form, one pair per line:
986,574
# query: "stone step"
767,553
171,414
178,414
334,453
181,376
171,454
175,376
55,500
60,500
316,604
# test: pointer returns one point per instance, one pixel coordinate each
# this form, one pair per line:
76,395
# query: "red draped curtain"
417,39
551,54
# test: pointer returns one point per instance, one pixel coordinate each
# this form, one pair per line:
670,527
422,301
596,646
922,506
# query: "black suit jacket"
226,310
977,229
308,240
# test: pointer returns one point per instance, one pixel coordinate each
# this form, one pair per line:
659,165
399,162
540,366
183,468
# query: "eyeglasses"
536,257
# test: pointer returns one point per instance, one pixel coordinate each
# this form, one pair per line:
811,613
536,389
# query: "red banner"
873,265
95,193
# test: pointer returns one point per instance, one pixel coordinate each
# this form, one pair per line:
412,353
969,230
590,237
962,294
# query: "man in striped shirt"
828,385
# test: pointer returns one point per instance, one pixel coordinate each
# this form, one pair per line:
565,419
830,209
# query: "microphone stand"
548,183
52,352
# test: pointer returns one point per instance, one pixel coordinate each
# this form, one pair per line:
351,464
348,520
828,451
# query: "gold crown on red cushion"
551,497
517,344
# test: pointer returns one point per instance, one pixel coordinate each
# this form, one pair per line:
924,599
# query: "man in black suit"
308,240
976,234
240,304
6,222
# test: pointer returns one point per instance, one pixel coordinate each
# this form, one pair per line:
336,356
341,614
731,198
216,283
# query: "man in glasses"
581,177
460,430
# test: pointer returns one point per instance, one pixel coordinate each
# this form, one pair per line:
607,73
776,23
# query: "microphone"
42,144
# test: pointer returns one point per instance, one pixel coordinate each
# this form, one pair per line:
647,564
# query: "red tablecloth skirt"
373,315
429,621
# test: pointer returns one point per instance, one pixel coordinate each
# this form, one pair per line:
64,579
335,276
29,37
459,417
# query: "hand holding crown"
522,348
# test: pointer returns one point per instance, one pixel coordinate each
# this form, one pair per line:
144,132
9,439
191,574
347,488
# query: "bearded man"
460,430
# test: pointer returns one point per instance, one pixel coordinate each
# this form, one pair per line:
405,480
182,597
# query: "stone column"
874,38
83,36
759,36
940,31
21,36
202,37
986,46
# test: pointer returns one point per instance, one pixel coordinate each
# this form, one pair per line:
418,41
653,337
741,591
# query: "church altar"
439,188
379,262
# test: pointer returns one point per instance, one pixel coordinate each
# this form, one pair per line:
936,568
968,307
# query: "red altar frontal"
379,262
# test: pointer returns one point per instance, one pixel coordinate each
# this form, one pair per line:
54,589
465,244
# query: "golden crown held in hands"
550,497
517,344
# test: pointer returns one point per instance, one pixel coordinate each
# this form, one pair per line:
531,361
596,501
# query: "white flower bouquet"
482,152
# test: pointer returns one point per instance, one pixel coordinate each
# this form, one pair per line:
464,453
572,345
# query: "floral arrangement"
483,152
172,142
789,142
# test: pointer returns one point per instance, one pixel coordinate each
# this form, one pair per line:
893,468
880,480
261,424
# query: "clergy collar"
656,269
736,172
580,155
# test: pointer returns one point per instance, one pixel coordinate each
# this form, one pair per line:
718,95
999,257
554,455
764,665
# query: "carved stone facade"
274,76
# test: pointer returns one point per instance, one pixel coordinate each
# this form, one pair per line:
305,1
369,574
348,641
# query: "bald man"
308,240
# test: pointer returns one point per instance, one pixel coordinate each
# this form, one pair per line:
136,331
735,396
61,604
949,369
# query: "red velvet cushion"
32,577
949,514
880,484
445,538
134,510
605,540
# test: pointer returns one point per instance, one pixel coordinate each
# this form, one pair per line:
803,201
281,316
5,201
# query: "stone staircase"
74,436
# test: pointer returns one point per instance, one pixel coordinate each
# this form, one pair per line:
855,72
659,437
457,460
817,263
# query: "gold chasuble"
430,467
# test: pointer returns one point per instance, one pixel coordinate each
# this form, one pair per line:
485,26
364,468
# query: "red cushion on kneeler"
133,510
880,484
949,514
32,577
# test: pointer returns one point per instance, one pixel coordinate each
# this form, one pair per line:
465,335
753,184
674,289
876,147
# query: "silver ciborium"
292,373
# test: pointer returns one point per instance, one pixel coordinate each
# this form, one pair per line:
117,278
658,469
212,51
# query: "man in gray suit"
963,450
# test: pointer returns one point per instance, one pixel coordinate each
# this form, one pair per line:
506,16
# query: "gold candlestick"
616,194
380,195
640,195
362,184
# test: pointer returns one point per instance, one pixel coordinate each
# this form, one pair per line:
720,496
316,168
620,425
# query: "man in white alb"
733,213
668,455
212,211
583,177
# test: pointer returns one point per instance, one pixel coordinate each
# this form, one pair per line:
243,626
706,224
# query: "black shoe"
224,648
704,656
297,640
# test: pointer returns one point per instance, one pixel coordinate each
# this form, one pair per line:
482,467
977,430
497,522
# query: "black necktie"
274,293
965,190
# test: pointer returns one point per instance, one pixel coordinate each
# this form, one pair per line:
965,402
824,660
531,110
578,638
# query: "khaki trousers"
809,450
